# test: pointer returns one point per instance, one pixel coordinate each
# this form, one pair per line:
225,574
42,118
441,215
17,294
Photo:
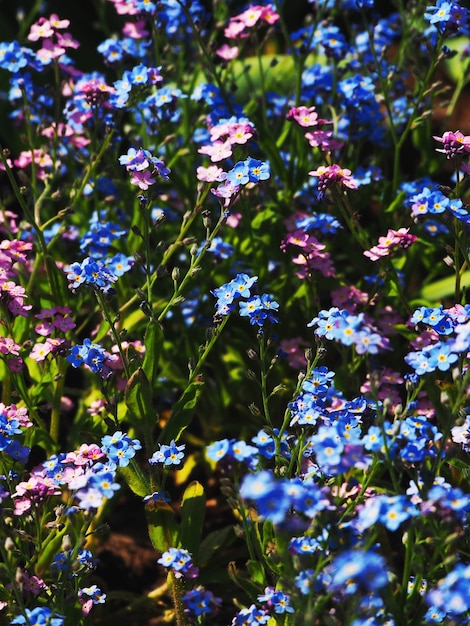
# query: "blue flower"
354,570
238,175
168,455
257,170
251,616
200,601
452,593
278,600
40,616
120,448
90,272
180,561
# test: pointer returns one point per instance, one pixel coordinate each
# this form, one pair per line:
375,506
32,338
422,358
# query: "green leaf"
138,396
251,589
163,528
49,549
136,479
153,342
40,437
214,541
267,215
182,413
397,203
193,512
443,288
257,573
455,66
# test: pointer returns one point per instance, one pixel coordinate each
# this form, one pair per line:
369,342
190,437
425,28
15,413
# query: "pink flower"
233,220
143,180
210,174
217,151
269,15
235,29
389,244
251,16
348,297
8,346
227,53
57,23
295,350
40,351
135,30
226,190
49,51
39,156
304,116
240,133
323,139
42,29
124,7
67,41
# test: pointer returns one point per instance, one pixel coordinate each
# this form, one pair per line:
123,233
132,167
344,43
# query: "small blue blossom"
180,561
354,570
120,448
168,455
40,616
90,272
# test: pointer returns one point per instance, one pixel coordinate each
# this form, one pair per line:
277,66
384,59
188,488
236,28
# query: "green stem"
112,326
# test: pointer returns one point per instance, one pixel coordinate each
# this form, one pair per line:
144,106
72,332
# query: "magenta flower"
453,143
333,175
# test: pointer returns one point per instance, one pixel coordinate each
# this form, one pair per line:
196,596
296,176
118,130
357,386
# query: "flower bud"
9,544
66,543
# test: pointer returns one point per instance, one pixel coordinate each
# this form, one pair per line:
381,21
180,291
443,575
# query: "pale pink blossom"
226,52
210,174
40,351
57,23
49,51
324,140
218,151
42,29
305,116
235,29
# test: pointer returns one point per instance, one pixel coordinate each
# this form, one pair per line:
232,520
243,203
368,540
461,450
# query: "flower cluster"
307,117
143,167
258,309
337,474
446,337
339,325
120,448
168,455
388,245
92,355
333,176
90,272
256,14
180,561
